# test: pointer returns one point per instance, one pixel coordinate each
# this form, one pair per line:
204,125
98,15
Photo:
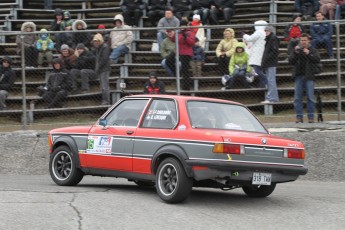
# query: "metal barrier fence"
25,105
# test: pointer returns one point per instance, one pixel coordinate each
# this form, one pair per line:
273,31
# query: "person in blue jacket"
321,33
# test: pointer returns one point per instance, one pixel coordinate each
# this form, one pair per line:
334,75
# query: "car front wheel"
62,167
172,183
259,191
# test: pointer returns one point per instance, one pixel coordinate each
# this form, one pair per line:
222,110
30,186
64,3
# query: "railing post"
177,65
24,118
337,32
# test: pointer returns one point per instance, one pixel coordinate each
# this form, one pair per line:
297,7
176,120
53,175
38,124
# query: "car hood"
72,129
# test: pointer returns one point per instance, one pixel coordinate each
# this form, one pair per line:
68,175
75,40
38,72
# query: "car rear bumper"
204,169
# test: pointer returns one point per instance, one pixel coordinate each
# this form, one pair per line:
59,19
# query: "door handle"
129,132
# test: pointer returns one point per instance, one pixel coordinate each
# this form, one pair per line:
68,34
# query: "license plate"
262,178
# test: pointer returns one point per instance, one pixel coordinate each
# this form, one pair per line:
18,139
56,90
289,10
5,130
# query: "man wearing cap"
84,68
7,79
153,85
102,68
269,64
120,40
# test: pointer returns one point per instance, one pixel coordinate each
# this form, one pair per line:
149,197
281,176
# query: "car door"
110,147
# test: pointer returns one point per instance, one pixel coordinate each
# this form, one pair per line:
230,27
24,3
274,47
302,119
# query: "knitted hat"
196,16
64,47
153,75
58,11
80,46
101,27
269,28
8,59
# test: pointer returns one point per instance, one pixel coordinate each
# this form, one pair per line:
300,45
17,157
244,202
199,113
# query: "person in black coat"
58,85
101,51
7,79
156,10
55,26
202,8
182,8
84,68
225,8
305,59
79,35
132,11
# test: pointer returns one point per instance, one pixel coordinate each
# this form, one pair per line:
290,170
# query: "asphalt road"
35,202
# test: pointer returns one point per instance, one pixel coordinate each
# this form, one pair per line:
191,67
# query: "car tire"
259,191
62,167
172,183
142,183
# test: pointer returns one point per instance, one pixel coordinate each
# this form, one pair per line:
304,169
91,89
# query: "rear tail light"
228,148
294,153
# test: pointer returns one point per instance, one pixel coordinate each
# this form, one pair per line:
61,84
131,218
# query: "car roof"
182,98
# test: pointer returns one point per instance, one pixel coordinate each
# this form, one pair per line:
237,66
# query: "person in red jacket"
186,40
293,33
153,85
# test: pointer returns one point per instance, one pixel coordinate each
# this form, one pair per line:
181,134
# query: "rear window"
211,115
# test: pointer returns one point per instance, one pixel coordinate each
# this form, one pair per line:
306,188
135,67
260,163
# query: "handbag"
155,47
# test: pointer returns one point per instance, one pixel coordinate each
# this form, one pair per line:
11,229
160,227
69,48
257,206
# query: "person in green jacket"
239,68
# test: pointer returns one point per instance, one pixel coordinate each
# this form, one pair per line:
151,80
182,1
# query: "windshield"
213,115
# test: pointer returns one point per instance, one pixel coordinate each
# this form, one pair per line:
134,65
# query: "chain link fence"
25,105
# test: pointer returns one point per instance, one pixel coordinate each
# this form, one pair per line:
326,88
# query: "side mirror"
103,122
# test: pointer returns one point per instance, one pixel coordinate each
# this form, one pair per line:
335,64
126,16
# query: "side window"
161,114
127,113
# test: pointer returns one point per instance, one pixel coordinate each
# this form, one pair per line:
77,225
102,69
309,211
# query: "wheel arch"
71,144
171,151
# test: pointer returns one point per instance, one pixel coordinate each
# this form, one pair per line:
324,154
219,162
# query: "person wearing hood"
45,47
132,11
256,46
269,63
226,8
84,68
79,34
239,68
55,26
155,10
169,20
29,41
225,49
186,41
58,85
7,79
120,40
293,32
101,51
305,59
153,85
66,25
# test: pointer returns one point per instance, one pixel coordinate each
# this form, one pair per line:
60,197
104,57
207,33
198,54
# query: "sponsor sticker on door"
99,144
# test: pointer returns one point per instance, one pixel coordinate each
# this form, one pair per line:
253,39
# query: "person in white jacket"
120,40
255,47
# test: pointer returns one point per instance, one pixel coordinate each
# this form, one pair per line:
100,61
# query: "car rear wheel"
259,191
172,183
62,167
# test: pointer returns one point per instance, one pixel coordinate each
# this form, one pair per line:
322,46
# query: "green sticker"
90,144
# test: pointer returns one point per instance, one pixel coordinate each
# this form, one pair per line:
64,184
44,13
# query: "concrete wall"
27,152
